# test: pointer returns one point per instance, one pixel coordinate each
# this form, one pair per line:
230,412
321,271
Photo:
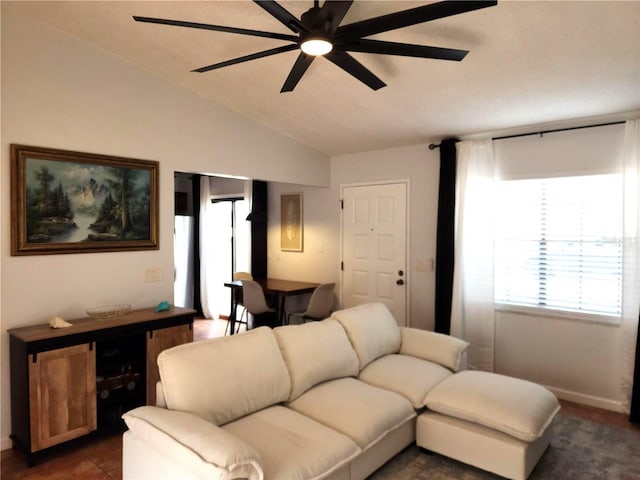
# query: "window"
559,244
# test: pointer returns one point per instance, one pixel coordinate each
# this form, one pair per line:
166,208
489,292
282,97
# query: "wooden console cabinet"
69,382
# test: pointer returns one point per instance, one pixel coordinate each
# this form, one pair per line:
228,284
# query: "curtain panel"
197,291
631,267
473,311
634,414
445,236
259,209
183,240
207,267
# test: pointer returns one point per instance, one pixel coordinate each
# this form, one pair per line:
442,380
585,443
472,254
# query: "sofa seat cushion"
510,405
196,441
293,446
372,330
360,411
316,352
225,378
409,376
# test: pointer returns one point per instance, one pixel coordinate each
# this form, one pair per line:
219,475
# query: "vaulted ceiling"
529,63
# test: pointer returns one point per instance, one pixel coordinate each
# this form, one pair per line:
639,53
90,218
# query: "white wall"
320,260
60,93
421,167
579,361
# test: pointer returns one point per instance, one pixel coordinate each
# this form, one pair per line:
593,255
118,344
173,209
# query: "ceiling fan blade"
404,49
355,68
409,17
217,28
333,11
246,58
296,73
283,16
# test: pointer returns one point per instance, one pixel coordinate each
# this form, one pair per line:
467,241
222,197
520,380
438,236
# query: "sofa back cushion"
372,330
314,353
225,378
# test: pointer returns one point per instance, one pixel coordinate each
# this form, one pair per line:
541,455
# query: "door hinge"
341,266
341,204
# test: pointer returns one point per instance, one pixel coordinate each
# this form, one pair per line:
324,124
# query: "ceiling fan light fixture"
316,46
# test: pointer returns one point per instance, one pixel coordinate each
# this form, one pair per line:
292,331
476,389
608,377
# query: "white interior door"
374,246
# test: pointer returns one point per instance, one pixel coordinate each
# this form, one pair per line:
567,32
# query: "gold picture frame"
73,202
291,222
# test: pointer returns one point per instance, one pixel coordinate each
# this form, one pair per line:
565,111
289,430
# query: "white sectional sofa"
334,399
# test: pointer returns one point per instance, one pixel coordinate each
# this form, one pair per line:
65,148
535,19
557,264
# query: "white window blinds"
559,244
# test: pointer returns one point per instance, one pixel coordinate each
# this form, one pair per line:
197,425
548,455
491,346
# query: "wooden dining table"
273,287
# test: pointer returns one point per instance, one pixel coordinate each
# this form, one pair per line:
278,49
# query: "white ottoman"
493,422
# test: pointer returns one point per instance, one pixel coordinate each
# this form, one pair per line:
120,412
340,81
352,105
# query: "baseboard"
598,402
5,444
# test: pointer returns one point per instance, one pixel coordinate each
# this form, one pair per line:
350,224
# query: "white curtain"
472,310
248,197
183,261
631,254
207,270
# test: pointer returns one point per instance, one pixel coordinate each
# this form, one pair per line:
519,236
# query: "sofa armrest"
160,400
442,349
195,442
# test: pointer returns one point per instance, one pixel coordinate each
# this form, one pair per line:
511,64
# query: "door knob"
400,282
400,272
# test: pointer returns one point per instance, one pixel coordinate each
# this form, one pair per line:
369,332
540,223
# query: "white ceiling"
530,63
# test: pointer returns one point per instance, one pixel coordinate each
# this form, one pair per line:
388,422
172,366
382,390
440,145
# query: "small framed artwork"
291,226
73,202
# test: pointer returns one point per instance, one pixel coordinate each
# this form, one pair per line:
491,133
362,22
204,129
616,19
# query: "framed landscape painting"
291,222
74,202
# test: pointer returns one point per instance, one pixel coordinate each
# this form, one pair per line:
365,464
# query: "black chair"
243,318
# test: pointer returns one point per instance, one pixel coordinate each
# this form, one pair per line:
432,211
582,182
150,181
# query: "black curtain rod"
541,133
433,146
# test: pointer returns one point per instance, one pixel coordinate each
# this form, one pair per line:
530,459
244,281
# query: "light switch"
425,265
421,265
153,274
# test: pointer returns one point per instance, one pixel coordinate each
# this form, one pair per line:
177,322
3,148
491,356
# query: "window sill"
610,321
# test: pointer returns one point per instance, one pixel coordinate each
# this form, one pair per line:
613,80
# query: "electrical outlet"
153,274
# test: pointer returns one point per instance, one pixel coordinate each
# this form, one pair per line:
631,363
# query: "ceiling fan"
318,33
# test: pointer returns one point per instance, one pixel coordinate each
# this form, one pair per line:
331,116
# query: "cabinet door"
157,341
62,395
